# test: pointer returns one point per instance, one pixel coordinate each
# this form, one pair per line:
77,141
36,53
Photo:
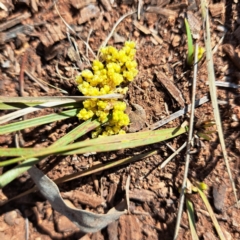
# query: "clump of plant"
190,55
110,74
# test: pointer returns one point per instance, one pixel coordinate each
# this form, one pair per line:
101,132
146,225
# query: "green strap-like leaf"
12,127
191,219
100,144
77,132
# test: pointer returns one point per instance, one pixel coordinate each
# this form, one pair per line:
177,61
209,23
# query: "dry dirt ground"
34,40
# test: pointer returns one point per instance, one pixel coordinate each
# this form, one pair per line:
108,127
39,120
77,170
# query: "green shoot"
189,43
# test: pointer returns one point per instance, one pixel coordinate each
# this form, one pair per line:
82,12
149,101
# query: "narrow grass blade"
213,91
128,144
60,99
211,213
22,112
77,132
189,43
12,127
191,219
16,106
95,169
110,143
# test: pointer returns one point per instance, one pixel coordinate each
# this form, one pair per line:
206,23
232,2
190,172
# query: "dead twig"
21,76
12,22
139,8
35,80
113,29
173,155
189,143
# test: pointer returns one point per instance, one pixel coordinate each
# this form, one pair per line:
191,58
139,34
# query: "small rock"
85,237
130,228
118,38
3,227
176,40
208,236
145,85
161,214
169,202
219,194
226,234
97,236
65,225
80,4
136,34
112,230
91,11
10,217
142,195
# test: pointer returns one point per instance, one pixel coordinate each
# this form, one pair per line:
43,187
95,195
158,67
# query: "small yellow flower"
114,68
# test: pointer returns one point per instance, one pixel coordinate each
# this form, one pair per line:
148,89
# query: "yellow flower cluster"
116,68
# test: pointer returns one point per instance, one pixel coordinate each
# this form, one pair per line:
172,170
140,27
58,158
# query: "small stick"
21,76
165,162
36,80
113,29
14,21
188,145
139,9
89,34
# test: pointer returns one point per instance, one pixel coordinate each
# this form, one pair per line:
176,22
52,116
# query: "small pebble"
10,217
136,34
209,236
221,28
145,85
219,194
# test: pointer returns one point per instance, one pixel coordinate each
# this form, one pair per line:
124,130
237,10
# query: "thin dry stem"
113,29
190,136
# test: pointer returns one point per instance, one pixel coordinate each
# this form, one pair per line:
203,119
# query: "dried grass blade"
213,91
16,106
190,136
113,29
37,121
77,132
61,99
110,143
25,111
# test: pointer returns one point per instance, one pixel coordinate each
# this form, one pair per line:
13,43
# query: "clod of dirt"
208,236
176,40
217,9
65,225
80,4
91,11
130,228
137,118
142,195
112,230
219,194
